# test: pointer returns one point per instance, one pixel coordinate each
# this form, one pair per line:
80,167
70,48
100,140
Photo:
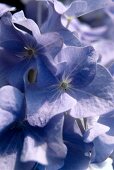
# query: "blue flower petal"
42,105
76,8
97,98
95,5
105,141
11,99
51,43
19,18
53,23
75,160
46,145
10,148
5,8
80,65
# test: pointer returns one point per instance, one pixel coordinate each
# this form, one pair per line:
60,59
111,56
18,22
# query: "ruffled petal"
45,145
97,98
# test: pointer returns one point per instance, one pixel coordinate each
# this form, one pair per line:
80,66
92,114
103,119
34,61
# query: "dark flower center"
64,85
29,52
19,125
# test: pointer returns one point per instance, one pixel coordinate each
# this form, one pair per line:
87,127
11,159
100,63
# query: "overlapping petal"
96,98
45,146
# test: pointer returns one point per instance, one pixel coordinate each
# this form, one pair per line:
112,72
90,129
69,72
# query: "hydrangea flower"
100,132
57,102
21,145
85,33
20,48
51,20
78,154
56,11
75,68
77,85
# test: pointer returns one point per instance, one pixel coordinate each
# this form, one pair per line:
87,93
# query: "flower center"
29,52
64,85
69,18
19,125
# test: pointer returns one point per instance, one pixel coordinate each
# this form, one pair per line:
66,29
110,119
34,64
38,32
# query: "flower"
21,145
75,69
100,133
21,49
57,11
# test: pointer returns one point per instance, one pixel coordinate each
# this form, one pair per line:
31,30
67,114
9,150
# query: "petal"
53,23
11,105
13,46
111,69
59,7
72,134
51,42
12,33
17,72
110,11
95,5
42,105
76,8
103,147
70,39
19,18
11,99
5,8
107,164
80,65
95,131
42,72
75,160
104,143
40,11
7,28
45,145
97,98
106,51
10,147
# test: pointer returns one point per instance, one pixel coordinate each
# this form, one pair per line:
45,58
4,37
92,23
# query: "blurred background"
17,3
91,19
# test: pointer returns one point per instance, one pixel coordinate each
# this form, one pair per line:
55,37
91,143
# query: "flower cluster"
57,86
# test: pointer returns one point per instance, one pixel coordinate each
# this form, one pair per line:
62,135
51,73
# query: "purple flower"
22,46
77,85
56,11
100,132
21,145
75,69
